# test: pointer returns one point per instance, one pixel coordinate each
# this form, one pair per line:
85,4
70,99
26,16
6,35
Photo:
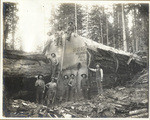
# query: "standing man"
54,64
72,87
99,78
71,28
50,40
51,92
59,36
84,86
66,87
40,88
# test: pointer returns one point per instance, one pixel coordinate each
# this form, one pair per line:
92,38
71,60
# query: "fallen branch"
140,115
138,111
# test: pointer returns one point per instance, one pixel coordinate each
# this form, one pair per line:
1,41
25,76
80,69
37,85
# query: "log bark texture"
115,66
27,65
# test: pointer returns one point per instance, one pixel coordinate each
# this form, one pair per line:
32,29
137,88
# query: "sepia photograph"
75,59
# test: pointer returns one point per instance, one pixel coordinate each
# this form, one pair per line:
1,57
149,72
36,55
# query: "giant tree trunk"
20,64
118,69
107,31
114,45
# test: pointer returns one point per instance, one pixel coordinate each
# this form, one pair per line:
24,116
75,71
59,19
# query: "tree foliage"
106,24
93,21
10,19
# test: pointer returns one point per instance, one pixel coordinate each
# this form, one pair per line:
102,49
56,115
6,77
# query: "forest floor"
127,101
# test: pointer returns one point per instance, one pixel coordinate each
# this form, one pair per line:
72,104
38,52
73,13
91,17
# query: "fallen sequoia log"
118,68
117,63
21,64
14,54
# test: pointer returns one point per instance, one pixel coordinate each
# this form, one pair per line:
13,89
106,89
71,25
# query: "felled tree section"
14,54
25,65
118,68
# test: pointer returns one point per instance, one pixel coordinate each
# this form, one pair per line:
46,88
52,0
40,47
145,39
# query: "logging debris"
118,102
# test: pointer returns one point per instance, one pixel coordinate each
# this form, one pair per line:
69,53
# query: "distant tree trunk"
107,30
124,33
101,28
136,38
134,43
5,27
76,17
13,40
101,25
118,30
114,27
133,40
87,24
13,29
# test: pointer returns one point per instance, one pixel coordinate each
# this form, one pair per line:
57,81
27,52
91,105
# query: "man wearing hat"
50,95
71,28
54,64
40,89
66,87
72,87
59,36
99,77
84,86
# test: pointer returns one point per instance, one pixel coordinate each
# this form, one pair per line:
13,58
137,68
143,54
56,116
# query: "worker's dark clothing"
54,66
66,89
40,88
70,30
99,81
85,87
72,89
59,38
51,92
